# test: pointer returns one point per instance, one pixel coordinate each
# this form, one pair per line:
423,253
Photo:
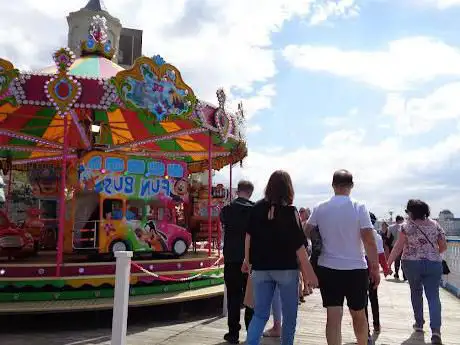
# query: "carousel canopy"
147,110
89,66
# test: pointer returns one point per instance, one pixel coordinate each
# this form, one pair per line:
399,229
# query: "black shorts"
336,285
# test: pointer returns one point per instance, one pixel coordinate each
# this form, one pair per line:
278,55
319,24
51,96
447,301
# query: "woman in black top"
274,249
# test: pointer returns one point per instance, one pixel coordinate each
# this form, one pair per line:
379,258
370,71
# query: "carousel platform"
31,286
69,306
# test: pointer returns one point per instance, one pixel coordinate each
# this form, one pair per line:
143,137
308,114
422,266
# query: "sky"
371,86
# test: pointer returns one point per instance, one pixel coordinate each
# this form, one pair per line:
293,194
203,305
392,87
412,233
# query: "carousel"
111,157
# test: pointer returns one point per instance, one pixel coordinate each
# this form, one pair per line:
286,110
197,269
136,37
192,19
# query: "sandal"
271,334
418,328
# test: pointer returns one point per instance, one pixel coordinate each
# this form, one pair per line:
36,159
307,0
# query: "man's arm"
222,214
246,263
367,236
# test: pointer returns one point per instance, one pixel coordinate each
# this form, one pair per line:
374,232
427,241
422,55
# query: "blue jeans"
425,274
276,305
264,284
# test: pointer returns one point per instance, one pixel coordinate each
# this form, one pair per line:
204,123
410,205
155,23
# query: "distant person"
394,231
234,218
387,238
275,331
304,214
373,290
274,250
345,226
421,241
248,302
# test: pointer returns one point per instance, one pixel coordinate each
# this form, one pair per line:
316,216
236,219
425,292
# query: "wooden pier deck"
396,319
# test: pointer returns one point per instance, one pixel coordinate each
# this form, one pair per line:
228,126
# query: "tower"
79,23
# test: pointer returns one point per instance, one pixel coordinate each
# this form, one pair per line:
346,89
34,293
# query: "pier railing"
452,256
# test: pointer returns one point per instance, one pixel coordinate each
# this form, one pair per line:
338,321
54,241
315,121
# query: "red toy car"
14,242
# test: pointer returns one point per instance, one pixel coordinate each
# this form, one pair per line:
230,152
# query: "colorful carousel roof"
89,66
147,110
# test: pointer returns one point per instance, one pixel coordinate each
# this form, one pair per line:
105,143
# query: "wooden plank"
396,319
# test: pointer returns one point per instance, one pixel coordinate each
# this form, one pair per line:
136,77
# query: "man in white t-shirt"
347,235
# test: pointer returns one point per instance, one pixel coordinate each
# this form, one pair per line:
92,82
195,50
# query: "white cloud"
215,43
346,8
421,114
338,121
403,64
443,4
253,128
386,174
261,100
344,138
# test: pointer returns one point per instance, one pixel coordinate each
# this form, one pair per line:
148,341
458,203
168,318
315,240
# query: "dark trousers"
397,266
235,281
248,314
374,299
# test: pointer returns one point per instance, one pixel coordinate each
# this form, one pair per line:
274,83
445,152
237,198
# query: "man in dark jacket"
234,218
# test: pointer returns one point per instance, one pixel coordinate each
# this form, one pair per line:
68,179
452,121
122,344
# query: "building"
127,42
450,224
130,47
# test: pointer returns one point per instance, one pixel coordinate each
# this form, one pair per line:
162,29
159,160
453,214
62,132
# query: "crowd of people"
276,255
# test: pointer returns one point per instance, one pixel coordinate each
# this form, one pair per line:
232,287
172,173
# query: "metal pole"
209,192
121,299
62,207
231,178
224,306
10,183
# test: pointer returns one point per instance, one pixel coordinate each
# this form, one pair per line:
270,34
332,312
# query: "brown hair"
245,186
418,209
279,189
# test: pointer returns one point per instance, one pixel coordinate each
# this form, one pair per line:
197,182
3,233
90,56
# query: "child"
275,331
276,308
248,303
373,296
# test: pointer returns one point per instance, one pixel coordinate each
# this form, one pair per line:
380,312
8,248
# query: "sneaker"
436,339
396,276
231,338
417,328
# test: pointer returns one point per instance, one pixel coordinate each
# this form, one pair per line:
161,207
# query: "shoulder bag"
445,267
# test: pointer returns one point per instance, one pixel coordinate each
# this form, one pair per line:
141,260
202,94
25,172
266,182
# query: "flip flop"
270,334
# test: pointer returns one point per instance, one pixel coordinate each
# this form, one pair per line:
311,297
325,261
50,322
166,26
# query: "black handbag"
445,267
316,242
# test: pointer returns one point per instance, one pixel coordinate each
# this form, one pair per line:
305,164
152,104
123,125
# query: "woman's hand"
310,281
246,266
307,290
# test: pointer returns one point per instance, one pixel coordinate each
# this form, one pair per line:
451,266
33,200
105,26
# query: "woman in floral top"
422,241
